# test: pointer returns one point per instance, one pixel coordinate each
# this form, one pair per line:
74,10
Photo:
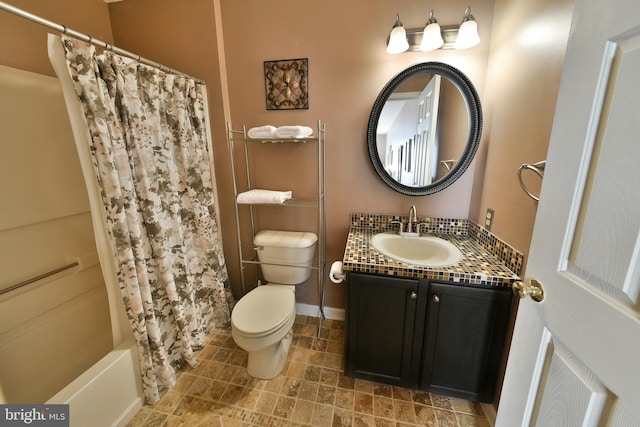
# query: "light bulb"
398,38
468,32
431,38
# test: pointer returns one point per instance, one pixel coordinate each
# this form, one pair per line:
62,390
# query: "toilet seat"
263,310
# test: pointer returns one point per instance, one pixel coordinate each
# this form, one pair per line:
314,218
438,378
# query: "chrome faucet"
413,217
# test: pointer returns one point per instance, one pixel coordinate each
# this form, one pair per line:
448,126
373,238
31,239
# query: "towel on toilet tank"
294,132
266,131
263,196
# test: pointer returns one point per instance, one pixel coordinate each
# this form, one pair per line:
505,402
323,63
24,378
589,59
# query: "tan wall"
53,330
348,66
23,44
527,53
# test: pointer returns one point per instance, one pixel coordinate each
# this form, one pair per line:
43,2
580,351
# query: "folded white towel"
294,131
266,131
263,196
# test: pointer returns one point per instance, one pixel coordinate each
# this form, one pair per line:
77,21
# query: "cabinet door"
465,339
380,328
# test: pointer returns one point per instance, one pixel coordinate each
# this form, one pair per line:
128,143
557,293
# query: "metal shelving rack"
237,137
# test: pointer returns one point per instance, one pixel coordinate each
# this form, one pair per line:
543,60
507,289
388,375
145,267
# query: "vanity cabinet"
446,338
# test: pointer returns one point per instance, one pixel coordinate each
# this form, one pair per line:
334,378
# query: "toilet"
262,320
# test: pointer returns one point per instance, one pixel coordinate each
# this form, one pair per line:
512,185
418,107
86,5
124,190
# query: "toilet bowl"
263,326
262,321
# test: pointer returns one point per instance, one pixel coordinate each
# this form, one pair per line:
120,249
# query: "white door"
575,356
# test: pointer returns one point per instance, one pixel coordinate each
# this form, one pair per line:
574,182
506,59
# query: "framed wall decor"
286,84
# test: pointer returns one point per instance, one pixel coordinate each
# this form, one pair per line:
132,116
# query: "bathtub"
107,394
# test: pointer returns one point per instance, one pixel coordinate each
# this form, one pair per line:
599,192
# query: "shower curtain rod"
87,38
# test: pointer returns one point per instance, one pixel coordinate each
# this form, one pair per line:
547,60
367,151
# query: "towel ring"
538,168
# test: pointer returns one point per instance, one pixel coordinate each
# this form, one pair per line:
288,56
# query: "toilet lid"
263,310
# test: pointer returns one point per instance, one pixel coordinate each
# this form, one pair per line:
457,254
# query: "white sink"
425,251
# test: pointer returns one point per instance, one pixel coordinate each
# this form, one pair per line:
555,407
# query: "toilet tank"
285,247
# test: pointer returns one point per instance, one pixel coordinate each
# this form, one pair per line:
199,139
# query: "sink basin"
425,251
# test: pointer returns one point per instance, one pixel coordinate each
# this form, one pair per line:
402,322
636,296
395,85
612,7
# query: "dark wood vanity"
446,338
444,330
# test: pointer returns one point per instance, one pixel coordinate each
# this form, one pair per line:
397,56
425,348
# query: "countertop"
486,259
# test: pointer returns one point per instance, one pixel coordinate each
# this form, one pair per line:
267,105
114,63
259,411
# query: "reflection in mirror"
424,128
423,110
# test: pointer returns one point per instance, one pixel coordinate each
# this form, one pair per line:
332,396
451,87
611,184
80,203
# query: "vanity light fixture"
398,38
433,36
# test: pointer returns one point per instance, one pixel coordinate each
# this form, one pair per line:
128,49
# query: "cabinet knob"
414,295
436,298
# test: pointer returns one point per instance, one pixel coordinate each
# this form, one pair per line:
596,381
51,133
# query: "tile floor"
310,391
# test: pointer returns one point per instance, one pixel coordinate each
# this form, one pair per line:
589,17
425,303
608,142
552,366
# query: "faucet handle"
401,224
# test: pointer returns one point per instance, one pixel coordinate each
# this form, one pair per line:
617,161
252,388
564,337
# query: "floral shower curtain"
149,146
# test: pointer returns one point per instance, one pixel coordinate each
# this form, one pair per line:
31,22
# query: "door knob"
530,287
414,295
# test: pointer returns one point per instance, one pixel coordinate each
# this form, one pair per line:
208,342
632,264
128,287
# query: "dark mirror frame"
474,109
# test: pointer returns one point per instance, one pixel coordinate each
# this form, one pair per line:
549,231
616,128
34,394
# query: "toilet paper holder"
336,274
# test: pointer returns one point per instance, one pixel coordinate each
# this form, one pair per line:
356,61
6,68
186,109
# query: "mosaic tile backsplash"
487,259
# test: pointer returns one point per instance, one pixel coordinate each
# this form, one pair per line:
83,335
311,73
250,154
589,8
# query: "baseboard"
314,311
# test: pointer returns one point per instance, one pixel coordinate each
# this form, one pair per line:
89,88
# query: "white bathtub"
107,394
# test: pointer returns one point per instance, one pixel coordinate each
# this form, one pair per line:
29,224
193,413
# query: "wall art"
286,84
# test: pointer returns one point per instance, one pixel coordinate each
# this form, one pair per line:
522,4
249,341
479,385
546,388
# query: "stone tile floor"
311,391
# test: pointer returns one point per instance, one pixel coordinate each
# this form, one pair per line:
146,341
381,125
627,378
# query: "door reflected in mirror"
424,128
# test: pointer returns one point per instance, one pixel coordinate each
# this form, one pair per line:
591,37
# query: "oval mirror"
424,128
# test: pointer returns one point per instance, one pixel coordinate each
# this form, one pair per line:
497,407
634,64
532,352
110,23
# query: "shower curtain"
150,149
